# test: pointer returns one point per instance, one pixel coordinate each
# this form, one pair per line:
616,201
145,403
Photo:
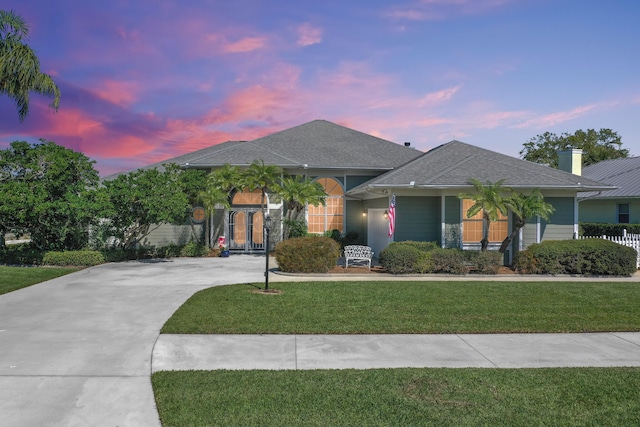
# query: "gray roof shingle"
621,173
454,164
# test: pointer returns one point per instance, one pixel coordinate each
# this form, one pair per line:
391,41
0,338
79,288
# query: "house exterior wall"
418,218
606,210
452,222
561,224
167,234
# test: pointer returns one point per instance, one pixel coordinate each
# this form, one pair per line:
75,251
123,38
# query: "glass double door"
246,231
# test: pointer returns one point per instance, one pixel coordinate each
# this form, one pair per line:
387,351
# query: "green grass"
14,278
411,307
400,397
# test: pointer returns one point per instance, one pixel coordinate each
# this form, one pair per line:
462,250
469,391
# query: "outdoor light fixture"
364,213
386,214
267,230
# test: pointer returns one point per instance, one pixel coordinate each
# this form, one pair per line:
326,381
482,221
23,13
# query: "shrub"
21,254
307,254
589,256
487,262
423,246
602,229
297,227
449,261
401,258
193,249
74,258
343,240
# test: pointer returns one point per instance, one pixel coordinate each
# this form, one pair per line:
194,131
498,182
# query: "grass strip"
14,278
400,397
411,307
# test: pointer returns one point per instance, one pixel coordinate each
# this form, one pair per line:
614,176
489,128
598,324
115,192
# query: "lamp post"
267,230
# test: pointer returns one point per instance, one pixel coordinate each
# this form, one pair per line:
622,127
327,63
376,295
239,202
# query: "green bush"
350,238
448,261
307,254
588,256
602,229
73,258
401,258
487,262
191,249
423,246
297,227
21,254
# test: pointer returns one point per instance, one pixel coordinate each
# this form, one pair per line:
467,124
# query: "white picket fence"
631,240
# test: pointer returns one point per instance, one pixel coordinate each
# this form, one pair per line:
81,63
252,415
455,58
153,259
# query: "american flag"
392,215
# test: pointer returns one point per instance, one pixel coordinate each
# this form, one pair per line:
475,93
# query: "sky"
147,80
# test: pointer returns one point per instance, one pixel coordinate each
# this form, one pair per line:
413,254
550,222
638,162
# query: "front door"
246,232
378,231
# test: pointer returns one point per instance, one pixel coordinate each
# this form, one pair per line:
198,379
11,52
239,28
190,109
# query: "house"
361,173
620,205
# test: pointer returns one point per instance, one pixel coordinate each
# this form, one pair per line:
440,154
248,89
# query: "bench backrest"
357,251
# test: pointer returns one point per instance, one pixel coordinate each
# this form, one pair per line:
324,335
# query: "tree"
140,201
596,146
523,208
259,176
49,192
296,193
219,188
488,199
19,66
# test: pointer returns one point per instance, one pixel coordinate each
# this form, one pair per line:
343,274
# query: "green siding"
452,231
560,225
355,222
606,211
354,181
418,218
529,233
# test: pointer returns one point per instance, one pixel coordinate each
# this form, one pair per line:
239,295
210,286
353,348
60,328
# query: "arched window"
329,217
247,198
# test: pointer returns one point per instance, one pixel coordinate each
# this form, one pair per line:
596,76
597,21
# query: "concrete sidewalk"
211,352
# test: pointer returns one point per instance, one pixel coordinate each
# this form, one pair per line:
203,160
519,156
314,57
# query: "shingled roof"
318,145
454,164
621,173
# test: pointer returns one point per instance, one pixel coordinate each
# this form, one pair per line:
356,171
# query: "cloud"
439,96
553,119
309,35
246,44
117,92
438,10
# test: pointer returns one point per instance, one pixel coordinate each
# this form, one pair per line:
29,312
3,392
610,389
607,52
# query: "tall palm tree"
296,193
490,200
525,207
263,177
218,190
19,66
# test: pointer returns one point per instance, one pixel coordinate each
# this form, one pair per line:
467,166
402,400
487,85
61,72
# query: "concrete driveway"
76,350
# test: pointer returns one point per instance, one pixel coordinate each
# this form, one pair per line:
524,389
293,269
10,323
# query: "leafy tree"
523,208
19,66
488,199
142,200
596,146
49,192
296,193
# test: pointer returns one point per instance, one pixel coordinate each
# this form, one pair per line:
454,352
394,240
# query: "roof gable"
454,164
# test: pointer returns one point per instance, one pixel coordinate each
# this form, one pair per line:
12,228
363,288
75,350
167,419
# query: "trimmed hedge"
411,257
73,258
21,254
588,256
447,261
307,254
403,258
602,229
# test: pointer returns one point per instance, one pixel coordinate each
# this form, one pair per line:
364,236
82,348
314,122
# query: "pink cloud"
556,118
117,92
309,35
246,44
439,96
437,10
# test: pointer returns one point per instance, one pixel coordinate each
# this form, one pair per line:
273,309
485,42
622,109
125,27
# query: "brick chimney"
570,160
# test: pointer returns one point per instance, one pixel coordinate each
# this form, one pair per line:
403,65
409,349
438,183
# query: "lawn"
14,278
411,307
400,397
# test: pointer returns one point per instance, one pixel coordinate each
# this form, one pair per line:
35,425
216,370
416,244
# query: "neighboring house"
360,173
617,206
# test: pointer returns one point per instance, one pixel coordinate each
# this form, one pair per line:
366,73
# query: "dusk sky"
147,80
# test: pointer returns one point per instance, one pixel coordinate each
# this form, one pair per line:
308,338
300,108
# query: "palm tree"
298,192
218,190
525,207
19,66
488,199
263,177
